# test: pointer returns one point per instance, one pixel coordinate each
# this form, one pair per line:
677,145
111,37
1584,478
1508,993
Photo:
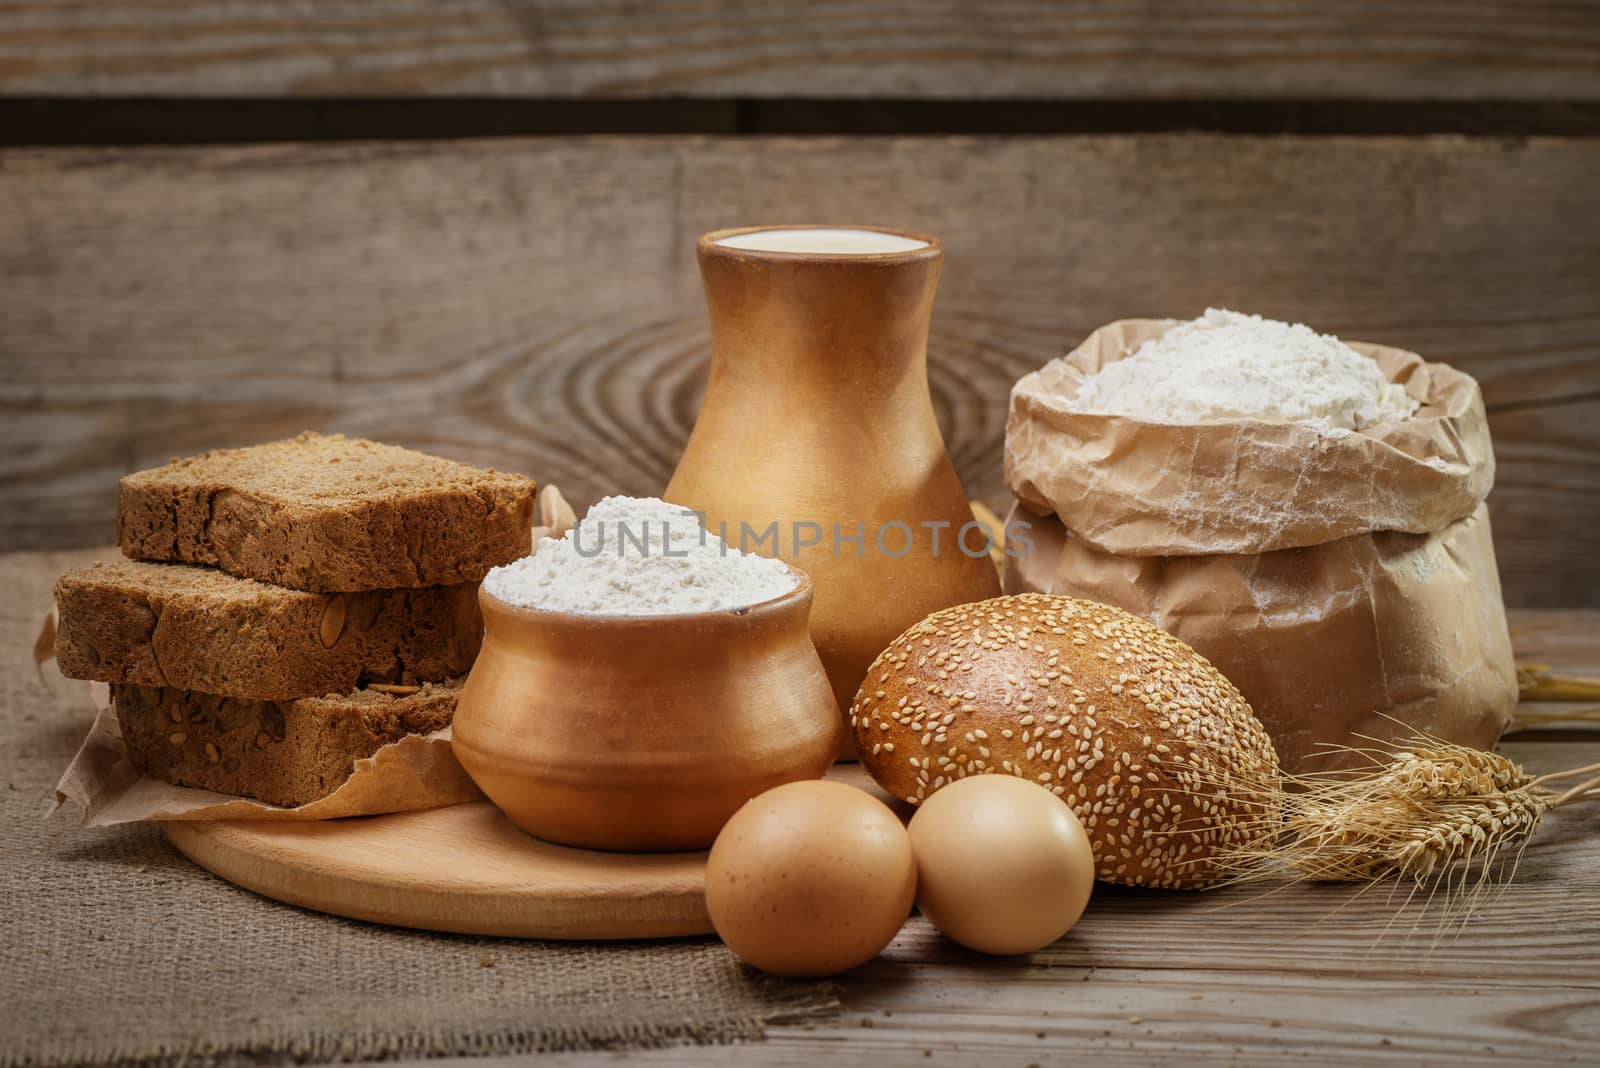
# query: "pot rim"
796,599
707,245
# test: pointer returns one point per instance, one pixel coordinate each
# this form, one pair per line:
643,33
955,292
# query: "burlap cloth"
118,950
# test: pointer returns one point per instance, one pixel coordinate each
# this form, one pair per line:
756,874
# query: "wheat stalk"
1537,682
1432,812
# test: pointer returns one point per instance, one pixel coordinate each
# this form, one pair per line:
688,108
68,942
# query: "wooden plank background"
535,304
1434,49
532,301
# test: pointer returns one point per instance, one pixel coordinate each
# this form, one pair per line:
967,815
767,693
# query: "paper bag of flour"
1345,581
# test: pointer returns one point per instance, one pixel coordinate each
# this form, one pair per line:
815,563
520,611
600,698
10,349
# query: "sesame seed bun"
1156,752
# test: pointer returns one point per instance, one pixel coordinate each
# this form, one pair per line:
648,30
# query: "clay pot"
643,732
817,411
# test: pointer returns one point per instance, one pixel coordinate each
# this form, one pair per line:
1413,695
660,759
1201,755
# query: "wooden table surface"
1304,975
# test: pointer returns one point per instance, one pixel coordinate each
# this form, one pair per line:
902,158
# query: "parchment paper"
1345,584
416,772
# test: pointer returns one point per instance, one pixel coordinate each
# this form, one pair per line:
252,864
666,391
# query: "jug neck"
830,322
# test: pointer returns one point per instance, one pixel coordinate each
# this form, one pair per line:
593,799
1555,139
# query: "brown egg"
810,879
1003,865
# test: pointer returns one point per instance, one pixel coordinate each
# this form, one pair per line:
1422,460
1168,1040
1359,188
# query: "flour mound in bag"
1229,365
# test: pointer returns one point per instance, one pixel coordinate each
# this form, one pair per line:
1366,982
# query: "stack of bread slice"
289,609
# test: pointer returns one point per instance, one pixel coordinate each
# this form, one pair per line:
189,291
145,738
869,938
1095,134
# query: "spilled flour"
638,556
1227,365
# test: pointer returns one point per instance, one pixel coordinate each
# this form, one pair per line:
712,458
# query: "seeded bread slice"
196,628
328,514
285,753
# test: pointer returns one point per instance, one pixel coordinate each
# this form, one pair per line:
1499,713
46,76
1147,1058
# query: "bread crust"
1154,750
284,753
328,514
192,628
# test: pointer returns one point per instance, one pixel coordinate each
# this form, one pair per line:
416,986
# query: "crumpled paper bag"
1346,583
1145,489
416,772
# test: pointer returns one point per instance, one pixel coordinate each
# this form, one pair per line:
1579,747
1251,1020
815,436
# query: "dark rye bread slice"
328,513
285,753
196,628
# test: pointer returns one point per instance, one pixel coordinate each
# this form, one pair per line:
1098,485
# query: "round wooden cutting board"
465,868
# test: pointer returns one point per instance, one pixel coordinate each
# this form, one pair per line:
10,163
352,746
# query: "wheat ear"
1432,812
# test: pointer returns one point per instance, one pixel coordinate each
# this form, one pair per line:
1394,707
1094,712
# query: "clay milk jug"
817,441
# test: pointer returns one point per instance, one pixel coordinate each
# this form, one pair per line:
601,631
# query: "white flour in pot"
1227,365
638,556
